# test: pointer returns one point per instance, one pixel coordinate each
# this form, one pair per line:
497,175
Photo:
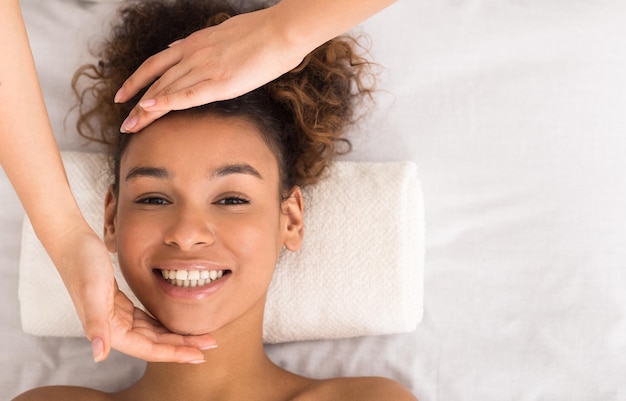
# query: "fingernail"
119,95
207,347
197,362
147,103
128,124
97,348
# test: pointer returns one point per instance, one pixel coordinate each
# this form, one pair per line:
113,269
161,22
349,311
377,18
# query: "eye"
152,200
233,201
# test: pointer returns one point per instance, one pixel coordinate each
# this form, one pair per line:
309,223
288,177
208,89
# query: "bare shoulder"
63,393
358,389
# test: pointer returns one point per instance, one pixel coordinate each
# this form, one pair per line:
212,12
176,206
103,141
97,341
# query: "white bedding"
514,112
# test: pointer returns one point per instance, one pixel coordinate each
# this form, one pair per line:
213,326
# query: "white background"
514,112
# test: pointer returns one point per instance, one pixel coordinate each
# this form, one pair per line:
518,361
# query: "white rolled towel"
359,271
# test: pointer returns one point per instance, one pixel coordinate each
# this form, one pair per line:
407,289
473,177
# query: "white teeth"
193,275
191,278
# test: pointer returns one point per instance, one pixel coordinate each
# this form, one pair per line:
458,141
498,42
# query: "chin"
187,328
183,319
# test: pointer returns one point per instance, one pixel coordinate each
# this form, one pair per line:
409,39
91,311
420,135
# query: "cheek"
136,237
255,236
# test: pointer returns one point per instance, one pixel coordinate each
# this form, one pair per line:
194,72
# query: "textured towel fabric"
359,271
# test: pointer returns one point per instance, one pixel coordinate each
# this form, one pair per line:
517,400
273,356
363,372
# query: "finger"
176,42
199,94
205,341
149,110
180,72
98,331
157,333
139,314
195,88
139,118
96,310
152,68
149,329
137,345
184,94
151,345
142,321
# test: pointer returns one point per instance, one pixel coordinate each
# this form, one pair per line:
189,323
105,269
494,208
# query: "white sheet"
514,113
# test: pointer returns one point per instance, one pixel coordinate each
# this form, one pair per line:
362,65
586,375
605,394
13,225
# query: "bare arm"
29,154
31,160
239,55
308,24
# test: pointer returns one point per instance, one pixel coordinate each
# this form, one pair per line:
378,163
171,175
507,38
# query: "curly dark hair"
302,115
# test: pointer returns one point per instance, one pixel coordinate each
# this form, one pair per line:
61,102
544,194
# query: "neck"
227,368
238,369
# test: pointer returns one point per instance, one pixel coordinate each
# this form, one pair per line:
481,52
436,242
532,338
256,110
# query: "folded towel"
359,271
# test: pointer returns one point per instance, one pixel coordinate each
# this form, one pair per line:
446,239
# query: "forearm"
28,151
310,23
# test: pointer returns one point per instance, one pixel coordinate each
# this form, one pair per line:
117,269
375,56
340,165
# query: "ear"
293,223
110,214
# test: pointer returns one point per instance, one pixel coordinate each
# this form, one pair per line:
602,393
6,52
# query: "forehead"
187,142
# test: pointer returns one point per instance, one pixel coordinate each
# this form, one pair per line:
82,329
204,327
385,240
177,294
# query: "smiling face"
198,222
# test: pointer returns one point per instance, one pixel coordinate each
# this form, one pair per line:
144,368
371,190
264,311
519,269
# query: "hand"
108,316
215,63
136,333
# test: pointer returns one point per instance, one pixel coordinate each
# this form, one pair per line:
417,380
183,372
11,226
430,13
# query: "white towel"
359,271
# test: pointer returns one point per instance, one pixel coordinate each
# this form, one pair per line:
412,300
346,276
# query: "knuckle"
166,101
156,86
149,64
190,93
168,90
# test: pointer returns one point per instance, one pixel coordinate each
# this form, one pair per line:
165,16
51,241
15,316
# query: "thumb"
96,313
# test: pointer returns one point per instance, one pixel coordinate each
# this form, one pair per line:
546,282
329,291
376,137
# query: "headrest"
359,270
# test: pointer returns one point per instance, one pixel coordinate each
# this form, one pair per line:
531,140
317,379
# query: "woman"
204,200
212,64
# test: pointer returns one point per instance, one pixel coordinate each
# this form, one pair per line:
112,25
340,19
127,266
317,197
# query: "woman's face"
198,222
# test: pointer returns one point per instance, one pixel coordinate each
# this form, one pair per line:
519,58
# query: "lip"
189,265
190,293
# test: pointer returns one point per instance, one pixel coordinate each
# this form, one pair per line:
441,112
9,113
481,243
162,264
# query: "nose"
189,229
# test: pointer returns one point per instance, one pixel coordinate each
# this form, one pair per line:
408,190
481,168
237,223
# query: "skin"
78,253
216,64
186,216
238,55
242,231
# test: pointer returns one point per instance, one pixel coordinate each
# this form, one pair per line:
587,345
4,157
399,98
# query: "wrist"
57,229
285,28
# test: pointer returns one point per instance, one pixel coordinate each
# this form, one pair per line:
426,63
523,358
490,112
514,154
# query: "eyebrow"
223,171
240,168
154,172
